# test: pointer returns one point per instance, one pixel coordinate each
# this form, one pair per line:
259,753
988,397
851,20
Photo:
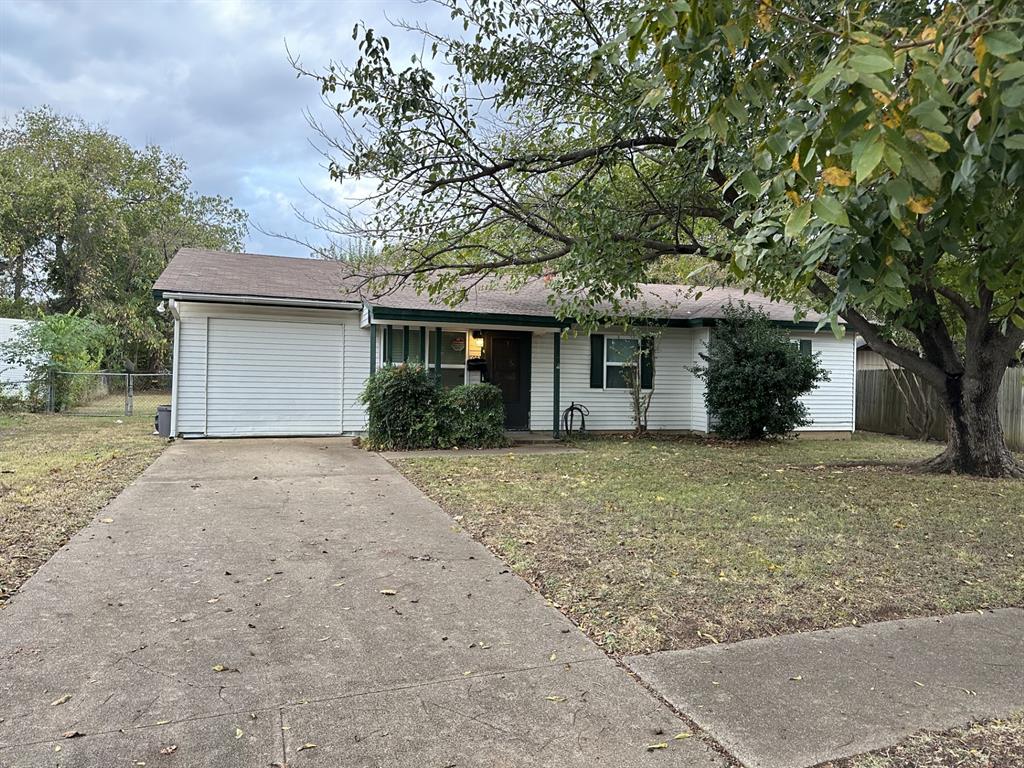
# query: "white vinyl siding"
678,400
610,409
830,405
246,370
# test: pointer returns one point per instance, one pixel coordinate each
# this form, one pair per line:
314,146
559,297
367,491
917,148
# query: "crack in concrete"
320,700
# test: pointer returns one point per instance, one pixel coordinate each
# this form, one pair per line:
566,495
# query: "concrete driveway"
246,600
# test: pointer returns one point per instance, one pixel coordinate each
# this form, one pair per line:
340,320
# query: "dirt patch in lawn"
990,744
654,545
56,472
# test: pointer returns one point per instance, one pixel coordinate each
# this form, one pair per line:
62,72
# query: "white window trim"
608,338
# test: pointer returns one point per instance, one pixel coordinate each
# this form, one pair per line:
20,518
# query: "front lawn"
56,471
991,744
663,544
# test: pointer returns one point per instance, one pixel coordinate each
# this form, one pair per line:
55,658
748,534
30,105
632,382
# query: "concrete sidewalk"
268,602
799,700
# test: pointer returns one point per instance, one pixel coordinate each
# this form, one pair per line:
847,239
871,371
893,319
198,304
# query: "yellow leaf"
659,745
976,96
837,177
920,204
239,733
794,198
974,120
388,592
62,700
795,165
307,745
683,735
554,698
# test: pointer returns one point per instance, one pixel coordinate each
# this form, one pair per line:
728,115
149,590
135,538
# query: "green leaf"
868,60
831,210
797,220
736,109
1014,142
1012,71
866,158
1014,97
1002,43
899,190
751,183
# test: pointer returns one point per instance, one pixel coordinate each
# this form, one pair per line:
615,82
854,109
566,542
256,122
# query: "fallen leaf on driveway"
107,520
170,749
72,734
659,745
388,592
239,733
222,668
61,700
797,678
555,698
307,745
213,600
683,735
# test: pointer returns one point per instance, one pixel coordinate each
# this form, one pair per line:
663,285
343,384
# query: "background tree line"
88,222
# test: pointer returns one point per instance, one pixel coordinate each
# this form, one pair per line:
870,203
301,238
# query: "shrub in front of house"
402,408
407,411
473,416
754,376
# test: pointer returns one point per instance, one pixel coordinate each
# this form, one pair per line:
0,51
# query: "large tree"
87,223
866,156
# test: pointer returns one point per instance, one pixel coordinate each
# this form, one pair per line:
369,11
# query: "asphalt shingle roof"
198,271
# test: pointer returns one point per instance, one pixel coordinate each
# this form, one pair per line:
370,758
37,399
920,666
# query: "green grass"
653,545
989,744
56,471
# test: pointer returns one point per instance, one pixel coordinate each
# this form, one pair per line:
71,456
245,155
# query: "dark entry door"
508,368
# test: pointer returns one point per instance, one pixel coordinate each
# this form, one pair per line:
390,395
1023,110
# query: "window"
453,357
399,350
804,344
622,353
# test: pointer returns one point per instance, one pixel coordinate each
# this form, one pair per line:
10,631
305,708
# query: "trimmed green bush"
474,416
402,406
755,375
407,411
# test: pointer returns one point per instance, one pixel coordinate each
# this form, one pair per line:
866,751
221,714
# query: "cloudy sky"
208,80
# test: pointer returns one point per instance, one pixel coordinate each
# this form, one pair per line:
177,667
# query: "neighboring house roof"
218,273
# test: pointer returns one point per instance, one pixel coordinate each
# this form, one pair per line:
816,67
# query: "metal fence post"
128,394
50,394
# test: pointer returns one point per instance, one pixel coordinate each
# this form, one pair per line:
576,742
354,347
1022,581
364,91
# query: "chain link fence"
102,393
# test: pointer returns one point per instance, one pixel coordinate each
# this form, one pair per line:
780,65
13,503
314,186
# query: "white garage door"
268,377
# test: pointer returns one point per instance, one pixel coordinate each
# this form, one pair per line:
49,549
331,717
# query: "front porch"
500,353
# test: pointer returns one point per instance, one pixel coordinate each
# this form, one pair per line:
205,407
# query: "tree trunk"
975,444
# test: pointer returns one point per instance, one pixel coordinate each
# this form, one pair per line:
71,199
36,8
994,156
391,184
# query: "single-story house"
270,345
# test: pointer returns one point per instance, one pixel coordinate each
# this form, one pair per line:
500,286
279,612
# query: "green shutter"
647,362
805,347
597,361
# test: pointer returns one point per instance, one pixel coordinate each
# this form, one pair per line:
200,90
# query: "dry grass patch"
674,544
55,472
990,744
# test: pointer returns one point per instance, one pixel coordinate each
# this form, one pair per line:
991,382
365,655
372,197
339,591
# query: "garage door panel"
270,377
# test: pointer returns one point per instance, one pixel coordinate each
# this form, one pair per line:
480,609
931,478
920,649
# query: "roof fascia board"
270,301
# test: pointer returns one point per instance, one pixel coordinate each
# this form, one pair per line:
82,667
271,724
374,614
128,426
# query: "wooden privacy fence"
881,407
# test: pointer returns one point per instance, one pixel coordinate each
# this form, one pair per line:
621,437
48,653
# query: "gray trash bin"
163,420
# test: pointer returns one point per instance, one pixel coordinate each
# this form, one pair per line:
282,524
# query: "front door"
508,368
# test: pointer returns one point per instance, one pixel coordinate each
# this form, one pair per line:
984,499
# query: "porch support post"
405,344
388,352
423,346
373,349
437,356
557,383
